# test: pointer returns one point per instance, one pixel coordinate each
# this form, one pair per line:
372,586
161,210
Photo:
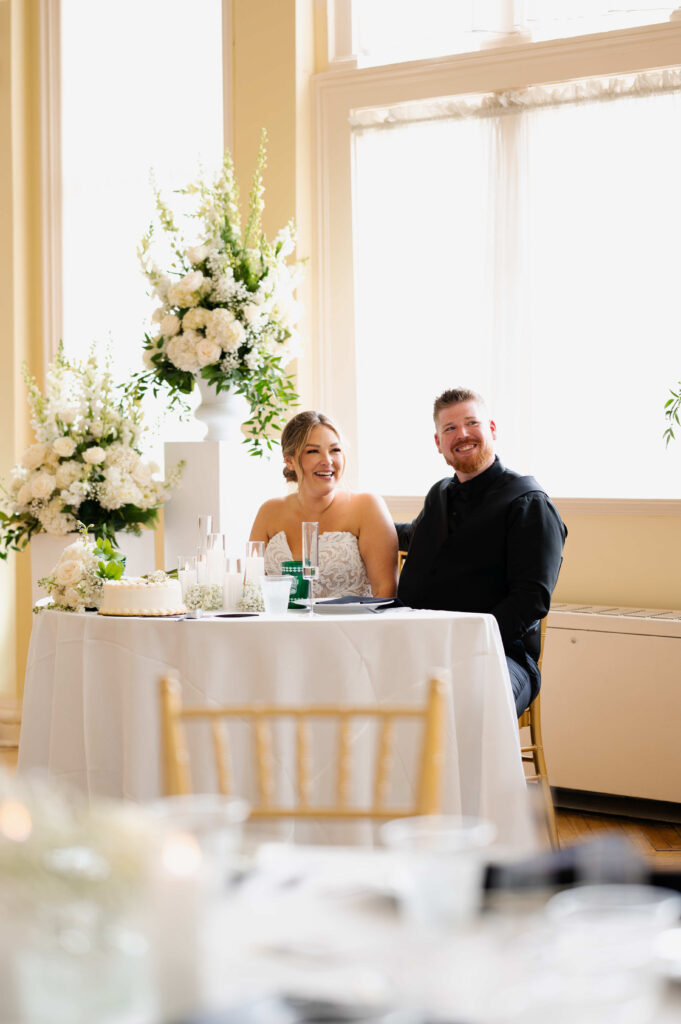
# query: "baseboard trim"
621,806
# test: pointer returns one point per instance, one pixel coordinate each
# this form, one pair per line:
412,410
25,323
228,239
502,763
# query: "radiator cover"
611,700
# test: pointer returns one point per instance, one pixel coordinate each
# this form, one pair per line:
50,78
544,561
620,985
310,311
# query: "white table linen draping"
91,706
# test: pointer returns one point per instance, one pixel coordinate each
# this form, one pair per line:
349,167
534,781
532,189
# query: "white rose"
25,494
64,447
195,318
72,598
42,485
207,352
68,572
94,455
170,325
197,254
34,456
187,291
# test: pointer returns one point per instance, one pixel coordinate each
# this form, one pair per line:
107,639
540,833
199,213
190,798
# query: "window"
521,242
141,88
388,31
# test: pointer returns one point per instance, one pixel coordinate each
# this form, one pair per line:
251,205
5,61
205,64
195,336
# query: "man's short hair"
452,396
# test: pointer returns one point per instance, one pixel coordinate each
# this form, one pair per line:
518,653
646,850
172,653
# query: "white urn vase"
221,412
46,550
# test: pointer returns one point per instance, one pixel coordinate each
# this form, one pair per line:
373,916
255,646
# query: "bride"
357,539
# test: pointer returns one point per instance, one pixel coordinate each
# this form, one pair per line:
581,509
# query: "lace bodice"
341,568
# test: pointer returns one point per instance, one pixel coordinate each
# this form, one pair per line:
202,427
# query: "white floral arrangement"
251,599
86,463
77,579
227,310
204,596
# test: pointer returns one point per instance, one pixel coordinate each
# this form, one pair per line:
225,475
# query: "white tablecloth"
91,718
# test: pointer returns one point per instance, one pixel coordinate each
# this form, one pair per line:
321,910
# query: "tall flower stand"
220,479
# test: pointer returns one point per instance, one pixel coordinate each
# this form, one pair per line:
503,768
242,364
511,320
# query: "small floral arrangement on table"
77,579
86,463
228,313
251,599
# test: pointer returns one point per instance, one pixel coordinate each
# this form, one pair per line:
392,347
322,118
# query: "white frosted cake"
136,596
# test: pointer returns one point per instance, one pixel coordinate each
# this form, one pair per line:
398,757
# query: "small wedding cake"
137,596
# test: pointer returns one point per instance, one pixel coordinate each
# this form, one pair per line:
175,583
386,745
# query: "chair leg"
543,778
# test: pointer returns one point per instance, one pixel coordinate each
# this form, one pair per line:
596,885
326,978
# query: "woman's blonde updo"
295,434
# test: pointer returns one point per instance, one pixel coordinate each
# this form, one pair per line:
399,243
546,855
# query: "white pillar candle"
232,589
255,568
178,886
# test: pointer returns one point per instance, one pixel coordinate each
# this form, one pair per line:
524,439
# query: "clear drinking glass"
205,527
310,557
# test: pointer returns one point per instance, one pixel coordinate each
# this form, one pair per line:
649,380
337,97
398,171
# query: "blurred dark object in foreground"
612,859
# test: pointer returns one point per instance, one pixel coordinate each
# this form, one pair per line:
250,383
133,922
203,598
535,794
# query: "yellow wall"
622,560
20,293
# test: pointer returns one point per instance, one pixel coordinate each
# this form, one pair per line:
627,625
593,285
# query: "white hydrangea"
68,472
182,351
225,330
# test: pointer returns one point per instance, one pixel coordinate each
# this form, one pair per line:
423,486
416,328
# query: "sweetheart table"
91,715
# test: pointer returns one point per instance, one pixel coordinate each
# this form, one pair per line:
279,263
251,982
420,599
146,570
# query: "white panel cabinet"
611,702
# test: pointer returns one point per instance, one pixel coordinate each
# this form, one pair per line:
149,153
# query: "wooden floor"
658,842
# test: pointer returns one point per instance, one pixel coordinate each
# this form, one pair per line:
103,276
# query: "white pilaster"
220,479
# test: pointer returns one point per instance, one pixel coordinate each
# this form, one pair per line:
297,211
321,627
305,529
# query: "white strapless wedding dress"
341,569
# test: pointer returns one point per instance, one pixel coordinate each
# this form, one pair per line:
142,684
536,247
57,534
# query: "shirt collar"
467,489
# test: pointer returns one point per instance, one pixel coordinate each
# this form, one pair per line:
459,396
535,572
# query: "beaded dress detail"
342,571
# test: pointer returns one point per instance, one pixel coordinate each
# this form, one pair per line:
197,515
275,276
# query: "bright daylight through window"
120,121
526,246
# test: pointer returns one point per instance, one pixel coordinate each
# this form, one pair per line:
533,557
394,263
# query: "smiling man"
486,540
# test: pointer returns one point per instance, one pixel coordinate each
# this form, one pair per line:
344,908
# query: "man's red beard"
472,462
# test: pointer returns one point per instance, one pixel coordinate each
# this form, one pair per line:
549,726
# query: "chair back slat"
344,760
222,757
386,743
264,759
260,720
304,745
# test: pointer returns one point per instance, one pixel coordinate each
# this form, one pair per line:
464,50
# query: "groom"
486,540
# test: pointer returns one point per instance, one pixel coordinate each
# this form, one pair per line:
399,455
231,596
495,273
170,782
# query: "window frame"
340,91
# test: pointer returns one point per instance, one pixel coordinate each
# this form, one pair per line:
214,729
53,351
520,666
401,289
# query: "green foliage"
671,411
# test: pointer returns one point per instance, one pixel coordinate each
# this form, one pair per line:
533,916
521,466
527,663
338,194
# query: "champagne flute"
310,558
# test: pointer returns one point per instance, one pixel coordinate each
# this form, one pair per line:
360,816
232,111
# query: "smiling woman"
357,540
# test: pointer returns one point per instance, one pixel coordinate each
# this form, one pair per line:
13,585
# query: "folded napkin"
379,603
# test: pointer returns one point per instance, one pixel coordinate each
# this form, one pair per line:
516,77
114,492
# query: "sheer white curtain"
528,249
